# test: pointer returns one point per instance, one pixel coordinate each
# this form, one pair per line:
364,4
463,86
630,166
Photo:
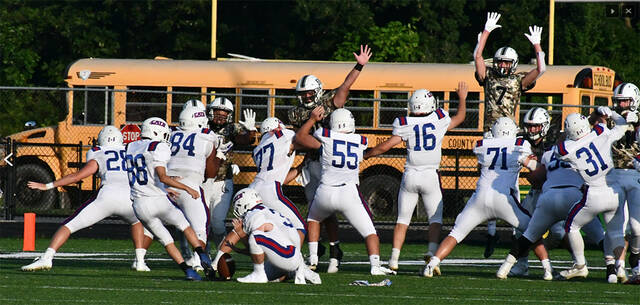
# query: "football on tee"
226,267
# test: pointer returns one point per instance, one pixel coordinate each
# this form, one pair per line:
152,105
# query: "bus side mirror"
30,125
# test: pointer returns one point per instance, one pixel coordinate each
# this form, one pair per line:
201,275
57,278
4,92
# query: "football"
226,267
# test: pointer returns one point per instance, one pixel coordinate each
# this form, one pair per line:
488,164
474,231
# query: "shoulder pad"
153,145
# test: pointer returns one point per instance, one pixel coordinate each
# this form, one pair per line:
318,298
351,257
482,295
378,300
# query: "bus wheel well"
379,186
27,169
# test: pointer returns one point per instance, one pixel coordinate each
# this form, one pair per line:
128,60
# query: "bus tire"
381,193
33,200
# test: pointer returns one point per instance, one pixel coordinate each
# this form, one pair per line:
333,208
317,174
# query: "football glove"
492,22
535,34
249,122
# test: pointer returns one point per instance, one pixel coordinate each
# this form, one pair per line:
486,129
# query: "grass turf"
107,279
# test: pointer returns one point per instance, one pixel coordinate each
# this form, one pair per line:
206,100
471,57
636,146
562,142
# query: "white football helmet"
110,136
155,129
504,127
244,200
308,83
627,91
505,54
221,103
192,118
194,103
576,126
270,124
422,101
342,121
537,116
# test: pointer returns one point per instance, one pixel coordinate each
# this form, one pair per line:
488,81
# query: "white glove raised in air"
235,169
492,22
535,34
249,120
604,110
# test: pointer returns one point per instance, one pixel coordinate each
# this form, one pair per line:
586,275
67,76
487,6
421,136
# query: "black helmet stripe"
304,81
504,51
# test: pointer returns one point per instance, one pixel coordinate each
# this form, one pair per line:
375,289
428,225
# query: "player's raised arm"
490,25
303,136
343,91
383,147
461,113
89,169
535,34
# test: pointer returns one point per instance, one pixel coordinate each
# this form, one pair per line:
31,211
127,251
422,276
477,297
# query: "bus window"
285,100
471,119
601,101
93,107
392,105
585,101
360,103
178,99
142,105
259,104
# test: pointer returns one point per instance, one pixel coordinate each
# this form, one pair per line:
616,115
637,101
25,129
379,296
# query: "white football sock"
49,253
546,264
313,248
140,253
374,260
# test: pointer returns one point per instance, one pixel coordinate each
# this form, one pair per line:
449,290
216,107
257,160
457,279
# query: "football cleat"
334,264
255,277
492,240
379,270
299,278
205,262
521,268
575,271
192,275
142,267
635,280
335,254
436,268
621,274
313,262
38,264
393,264
506,266
548,275
194,262
428,271
611,274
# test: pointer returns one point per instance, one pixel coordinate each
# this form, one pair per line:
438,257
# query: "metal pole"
214,15
552,13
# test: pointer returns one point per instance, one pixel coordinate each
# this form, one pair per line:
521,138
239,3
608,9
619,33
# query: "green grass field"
103,277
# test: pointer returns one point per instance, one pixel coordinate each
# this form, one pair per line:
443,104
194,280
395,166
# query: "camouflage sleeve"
296,116
327,100
521,75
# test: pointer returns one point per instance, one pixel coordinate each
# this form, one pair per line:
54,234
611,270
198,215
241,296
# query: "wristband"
358,67
49,185
533,164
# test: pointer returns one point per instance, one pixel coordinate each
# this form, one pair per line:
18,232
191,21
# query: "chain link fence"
47,153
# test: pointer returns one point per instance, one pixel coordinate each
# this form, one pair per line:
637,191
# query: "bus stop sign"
130,133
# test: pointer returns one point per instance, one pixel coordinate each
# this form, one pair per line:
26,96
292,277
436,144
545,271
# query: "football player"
422,131
342,151
588,151
218,190
108,160
147,161
501,158
503,87
273,158
626,98
191,145
311,95
274,243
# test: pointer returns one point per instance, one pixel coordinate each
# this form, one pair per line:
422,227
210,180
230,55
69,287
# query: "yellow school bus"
126,91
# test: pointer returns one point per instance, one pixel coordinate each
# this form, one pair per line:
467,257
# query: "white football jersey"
272,156
590,155
260,215
423,136
189,152
559,173
111,165
143,157
501,159
341,156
